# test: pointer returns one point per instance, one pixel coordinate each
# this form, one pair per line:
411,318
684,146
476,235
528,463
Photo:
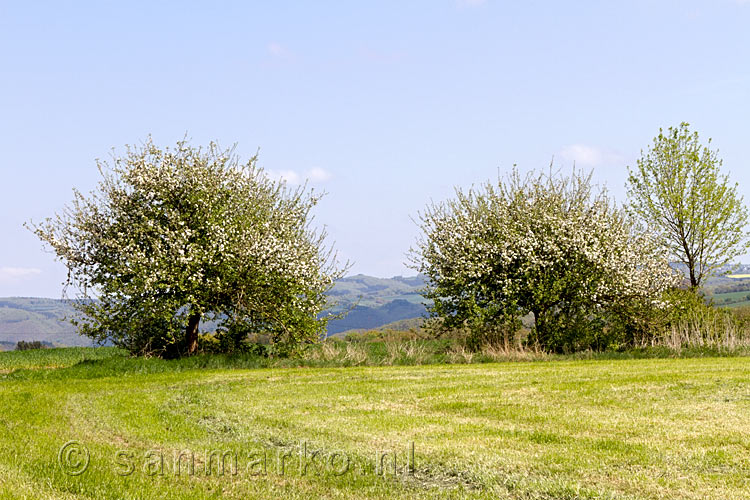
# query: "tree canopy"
174,236
677,190
544,244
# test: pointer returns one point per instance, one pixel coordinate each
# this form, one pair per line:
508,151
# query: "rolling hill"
23,318
371,302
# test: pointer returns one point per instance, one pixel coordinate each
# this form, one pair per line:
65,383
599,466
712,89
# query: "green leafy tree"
677,190
542,244
172,237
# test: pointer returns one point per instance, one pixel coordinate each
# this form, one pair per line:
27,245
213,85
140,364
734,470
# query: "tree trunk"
538,325
691,271
192,332
694,282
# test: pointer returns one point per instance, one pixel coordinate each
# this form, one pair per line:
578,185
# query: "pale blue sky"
385,105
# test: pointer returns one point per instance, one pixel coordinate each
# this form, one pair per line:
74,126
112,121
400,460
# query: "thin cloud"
314,175
18,273
590,156
318,175
277,50
288,176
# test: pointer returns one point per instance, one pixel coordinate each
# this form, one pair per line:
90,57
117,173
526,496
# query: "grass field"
732,299
651,428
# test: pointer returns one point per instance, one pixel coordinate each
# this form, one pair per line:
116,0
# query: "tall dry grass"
712,328
338,353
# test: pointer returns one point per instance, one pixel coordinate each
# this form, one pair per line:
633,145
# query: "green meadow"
732,299
217,427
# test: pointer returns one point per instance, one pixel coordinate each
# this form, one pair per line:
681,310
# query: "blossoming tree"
543,244
175,236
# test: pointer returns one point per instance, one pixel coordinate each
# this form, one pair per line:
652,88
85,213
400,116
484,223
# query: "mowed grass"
53,358
644,428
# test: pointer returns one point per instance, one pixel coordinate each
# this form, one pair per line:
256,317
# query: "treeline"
741,286
34,344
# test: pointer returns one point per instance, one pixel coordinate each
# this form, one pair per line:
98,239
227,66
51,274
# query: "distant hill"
366,318
29,319
367,291
7,346
402,325
372,302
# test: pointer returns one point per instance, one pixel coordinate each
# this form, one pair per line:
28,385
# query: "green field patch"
650,428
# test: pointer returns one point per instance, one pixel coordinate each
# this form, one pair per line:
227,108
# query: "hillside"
371,302
374,302
365,318
41,319
367,291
